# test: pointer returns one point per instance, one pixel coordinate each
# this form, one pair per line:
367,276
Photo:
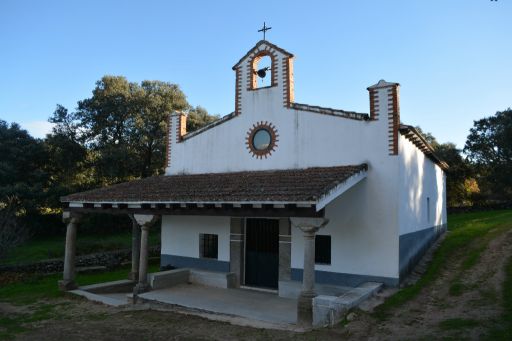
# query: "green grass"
33,291
53,247
458,323
45,287
457,289
469,234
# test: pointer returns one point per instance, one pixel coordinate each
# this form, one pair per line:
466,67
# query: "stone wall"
110,259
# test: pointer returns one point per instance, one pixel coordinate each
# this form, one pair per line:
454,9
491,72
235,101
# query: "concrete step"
99,298
357,295
328,310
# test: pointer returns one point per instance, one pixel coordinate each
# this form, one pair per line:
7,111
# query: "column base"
66,285
141,288
305,309
133,275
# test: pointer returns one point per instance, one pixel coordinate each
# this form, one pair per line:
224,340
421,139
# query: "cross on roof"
264,29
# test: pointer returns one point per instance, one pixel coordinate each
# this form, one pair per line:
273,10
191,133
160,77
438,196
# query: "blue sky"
453,58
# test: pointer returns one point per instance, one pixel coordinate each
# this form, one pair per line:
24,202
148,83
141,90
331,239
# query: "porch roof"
303,187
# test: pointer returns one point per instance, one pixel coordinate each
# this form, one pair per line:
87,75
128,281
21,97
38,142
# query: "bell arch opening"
263,71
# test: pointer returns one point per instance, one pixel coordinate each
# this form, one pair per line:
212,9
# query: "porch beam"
269,211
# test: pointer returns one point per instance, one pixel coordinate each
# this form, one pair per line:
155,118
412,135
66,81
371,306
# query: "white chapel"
282,195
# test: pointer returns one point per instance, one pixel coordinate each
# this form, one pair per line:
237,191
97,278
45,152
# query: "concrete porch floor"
251,304
177,290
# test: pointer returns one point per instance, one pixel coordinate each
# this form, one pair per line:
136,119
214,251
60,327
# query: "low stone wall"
166,279
110,259
485,206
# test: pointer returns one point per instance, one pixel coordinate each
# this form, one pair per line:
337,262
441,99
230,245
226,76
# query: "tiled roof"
292,185
419,141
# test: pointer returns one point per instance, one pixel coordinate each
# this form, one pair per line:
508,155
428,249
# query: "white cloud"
37,128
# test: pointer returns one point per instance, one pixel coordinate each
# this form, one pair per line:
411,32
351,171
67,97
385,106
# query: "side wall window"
428,209
323,249
208,245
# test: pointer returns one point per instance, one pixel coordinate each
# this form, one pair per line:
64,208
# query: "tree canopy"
117,134
23,167
489,149
123,126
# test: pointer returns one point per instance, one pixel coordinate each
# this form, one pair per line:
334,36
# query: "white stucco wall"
420,178
305,140
180,235
364,239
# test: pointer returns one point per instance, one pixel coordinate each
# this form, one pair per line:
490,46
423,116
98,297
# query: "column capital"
309,225
145,220
71,217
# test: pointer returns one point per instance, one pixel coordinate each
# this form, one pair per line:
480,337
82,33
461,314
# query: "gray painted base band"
196,263
344,279
412,246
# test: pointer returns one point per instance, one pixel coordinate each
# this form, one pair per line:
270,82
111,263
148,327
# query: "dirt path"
460,304
444,310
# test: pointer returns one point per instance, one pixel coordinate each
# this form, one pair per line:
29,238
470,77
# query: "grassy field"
37,295
53,247
458,256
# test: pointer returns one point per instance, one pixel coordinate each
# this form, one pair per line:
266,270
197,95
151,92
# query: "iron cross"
264,29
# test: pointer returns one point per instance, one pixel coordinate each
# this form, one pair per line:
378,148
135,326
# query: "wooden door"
262,253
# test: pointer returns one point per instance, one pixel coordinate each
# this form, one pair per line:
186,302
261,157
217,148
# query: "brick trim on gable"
374,104
381,94
238,91
181,129
393,119
167,142
175,133
256,48
288,85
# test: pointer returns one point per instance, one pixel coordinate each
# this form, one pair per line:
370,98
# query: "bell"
262,73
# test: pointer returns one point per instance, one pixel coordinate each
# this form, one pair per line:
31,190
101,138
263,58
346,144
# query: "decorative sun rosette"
262,139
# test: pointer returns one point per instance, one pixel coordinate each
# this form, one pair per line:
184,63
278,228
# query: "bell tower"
277,71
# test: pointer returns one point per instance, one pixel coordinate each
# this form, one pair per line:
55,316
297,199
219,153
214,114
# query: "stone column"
309,226
285,249
236,249
68,281
145,221
134,273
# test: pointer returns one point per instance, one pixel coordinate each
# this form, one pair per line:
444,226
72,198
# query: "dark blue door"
262,252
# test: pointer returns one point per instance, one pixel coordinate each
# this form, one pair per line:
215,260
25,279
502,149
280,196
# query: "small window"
323,249
428,209
208,245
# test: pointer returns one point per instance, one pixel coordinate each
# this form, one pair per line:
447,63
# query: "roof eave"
341,188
